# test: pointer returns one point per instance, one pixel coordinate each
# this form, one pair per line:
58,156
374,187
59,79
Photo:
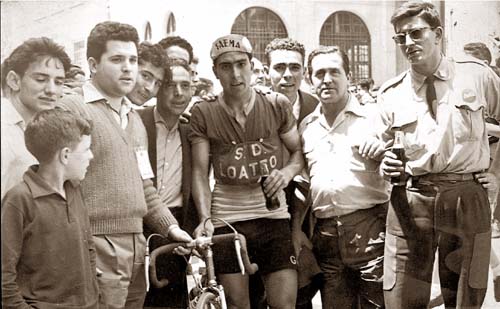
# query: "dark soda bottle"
399,150
271,203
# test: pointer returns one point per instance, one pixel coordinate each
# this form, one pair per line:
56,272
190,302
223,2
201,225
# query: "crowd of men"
93,171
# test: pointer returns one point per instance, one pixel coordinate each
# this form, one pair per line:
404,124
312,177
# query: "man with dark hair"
32,80
286,70
204,87
439,106
153,66
48,256
286,58
349,197
75,78
258,73
118,190
170,157
478,50
364,86
177,48
245,133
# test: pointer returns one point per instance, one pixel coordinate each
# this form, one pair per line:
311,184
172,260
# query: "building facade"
361,28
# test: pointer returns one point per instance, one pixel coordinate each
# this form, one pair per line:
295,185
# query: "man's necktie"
430,95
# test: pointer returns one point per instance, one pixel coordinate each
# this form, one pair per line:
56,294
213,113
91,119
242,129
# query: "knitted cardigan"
117,198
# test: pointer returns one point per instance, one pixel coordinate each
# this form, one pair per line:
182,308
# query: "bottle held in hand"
271,203
399,150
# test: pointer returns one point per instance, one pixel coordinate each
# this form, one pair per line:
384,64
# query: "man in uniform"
439,104
245,133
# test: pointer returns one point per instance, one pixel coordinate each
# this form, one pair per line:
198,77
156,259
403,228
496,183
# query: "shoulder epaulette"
393,82
470,59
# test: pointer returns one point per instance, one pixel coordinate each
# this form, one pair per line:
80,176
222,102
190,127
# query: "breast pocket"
468,121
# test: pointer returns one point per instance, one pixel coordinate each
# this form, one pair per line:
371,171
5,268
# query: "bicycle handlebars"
203,242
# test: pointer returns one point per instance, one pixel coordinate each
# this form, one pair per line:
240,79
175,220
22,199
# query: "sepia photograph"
250,154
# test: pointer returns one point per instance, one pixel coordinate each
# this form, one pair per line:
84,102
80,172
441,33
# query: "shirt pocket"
407,121
468,121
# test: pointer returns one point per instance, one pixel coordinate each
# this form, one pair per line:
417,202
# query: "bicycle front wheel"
208,300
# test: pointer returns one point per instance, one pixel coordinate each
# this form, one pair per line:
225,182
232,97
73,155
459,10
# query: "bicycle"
207,293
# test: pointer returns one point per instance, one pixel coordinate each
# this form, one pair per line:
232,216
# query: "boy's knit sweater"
117,198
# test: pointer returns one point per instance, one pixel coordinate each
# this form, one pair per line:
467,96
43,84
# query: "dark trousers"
454,216
173,268
350,252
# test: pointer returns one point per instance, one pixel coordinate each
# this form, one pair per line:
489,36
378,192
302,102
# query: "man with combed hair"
177,48
118,190
153,66
348,195
245,133
439,105
170,157
286,59
32,81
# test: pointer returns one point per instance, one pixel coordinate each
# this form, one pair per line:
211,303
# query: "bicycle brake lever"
237,246
146,267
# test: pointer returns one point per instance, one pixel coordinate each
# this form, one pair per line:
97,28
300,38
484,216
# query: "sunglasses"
416,34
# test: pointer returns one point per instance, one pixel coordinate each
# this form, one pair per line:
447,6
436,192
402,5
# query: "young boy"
48,256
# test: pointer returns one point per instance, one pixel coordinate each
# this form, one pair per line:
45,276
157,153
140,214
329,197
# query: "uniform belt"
444,177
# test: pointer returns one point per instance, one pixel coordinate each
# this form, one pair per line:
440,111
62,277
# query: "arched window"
171,26
148,34
260,26
349,32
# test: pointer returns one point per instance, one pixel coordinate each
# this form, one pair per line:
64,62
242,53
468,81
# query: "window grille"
260,26
349,32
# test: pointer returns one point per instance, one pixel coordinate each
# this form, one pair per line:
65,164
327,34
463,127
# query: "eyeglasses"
416,34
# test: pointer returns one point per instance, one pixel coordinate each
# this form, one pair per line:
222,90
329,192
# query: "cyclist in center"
244,135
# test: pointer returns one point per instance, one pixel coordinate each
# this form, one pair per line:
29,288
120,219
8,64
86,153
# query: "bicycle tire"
208,300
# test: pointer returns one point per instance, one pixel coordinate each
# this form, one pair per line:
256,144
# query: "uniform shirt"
168,162
237,195
456,142
15,157
341,180
48,255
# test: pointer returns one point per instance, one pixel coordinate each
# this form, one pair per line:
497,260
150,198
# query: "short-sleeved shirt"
342,181
48,255
15,157
456,141
241,155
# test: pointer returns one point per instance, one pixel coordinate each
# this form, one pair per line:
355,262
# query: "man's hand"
299,239
185,117
488,181
371,147
276,181
178,234
204,229
391,166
